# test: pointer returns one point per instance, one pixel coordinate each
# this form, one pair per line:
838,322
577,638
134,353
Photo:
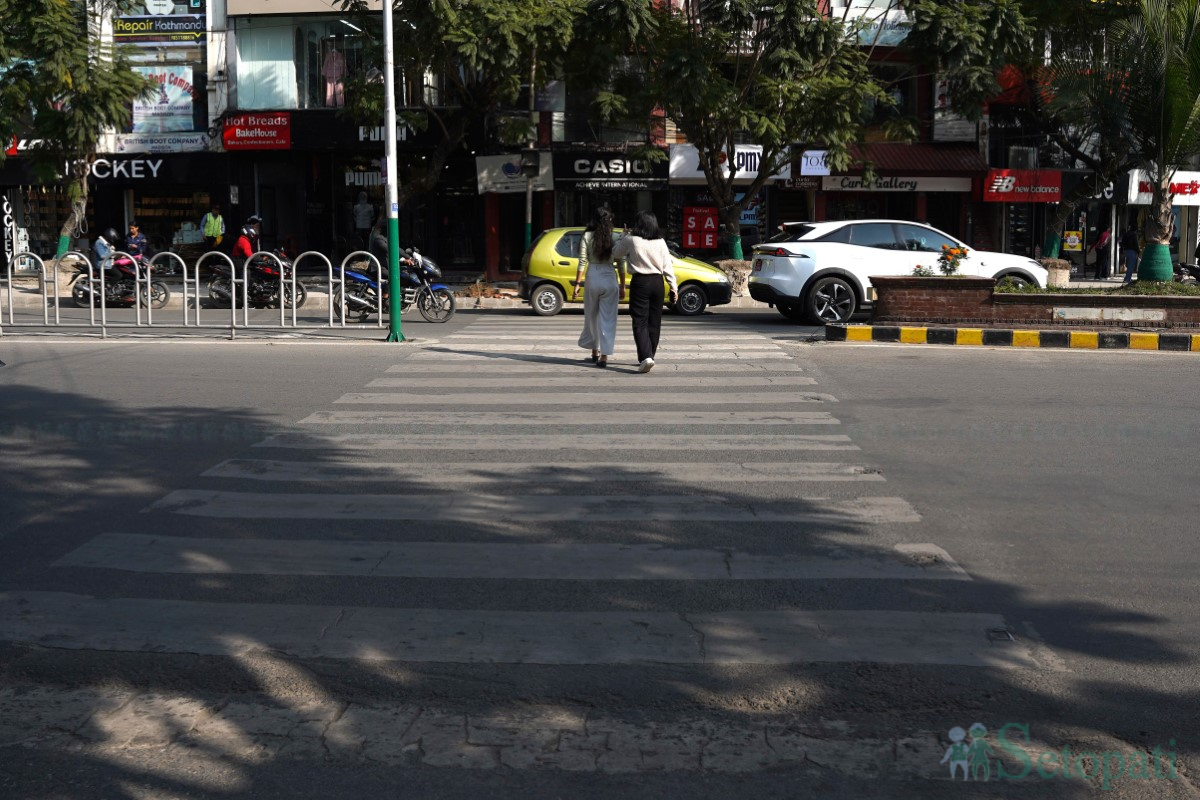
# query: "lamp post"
393,202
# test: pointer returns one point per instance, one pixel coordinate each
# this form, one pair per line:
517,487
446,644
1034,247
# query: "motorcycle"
360,295
264,279
1187,273
121,285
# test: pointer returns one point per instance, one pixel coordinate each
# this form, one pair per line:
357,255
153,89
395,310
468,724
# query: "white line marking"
71,621
591,379
611,562
449,420
586,399
581,442
523,509
416,476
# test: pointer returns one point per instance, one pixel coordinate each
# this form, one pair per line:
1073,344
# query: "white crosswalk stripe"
542,473
706,443
559,443
698,419
507,561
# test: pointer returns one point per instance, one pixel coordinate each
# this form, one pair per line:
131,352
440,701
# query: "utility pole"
393,201
529,164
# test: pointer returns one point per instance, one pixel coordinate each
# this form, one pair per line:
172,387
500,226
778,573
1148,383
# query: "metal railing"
91,287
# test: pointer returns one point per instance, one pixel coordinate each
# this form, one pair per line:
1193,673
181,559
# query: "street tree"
1141,97
62,86
731,71
461,66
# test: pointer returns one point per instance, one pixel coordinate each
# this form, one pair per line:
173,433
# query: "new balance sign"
1023,186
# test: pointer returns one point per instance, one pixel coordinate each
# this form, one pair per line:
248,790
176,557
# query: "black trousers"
645,309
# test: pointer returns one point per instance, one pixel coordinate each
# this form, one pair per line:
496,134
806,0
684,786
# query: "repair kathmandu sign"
1023,186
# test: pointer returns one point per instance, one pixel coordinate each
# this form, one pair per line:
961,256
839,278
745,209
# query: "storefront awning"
922,159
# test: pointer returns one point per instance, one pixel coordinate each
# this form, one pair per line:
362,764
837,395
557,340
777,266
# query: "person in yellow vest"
213,227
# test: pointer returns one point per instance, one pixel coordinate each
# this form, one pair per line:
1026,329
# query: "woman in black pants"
649,261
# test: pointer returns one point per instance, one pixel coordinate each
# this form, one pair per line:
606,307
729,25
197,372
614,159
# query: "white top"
646,256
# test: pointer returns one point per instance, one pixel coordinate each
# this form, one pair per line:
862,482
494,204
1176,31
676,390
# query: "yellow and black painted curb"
997,337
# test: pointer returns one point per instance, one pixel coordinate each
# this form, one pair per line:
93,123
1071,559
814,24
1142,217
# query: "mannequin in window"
364,215
334,70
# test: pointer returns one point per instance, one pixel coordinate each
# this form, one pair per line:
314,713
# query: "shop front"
1136,190
586,179
502,185
692,211
929,182
1023,195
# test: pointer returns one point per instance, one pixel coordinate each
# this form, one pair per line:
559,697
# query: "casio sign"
613,166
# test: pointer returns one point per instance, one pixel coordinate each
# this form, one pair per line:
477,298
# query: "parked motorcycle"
263,291
360,294
121,285
1187,273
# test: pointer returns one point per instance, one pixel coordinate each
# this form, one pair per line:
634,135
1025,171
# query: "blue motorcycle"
361,295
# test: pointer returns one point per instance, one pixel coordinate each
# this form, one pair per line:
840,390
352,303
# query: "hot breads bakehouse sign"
271,131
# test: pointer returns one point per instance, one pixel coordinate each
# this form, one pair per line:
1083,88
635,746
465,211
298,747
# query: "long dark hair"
647,226
601,230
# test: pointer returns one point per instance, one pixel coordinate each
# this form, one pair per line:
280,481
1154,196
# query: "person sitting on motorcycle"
247,242
104,248
135,243
379,249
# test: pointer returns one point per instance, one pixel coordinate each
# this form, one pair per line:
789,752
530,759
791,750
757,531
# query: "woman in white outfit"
601,288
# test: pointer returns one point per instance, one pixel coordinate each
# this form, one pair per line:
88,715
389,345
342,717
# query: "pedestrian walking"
213,227
598,273
1100,246
649,262
1131,251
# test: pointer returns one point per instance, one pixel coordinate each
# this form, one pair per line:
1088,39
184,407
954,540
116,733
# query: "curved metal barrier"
50,294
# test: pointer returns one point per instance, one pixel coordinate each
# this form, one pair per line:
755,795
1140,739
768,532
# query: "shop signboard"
598,171
856,183
161,142
746,160
949,126
878,22
1023,186
161,23
814,162
700,228
1184,186
262,131
169,107
1073,241
502,175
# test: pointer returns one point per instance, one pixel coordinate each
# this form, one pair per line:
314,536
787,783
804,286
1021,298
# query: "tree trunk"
1156,258
78,195
731,219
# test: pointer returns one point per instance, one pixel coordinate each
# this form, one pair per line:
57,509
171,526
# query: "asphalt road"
476,564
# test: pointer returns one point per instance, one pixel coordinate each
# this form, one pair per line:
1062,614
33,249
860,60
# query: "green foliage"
1138,288
728,71
58,83
481,53
1140,100
969,42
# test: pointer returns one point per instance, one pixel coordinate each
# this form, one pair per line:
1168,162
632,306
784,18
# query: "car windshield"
792,232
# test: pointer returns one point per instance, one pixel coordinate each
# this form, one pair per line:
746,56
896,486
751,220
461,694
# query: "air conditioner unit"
1022,158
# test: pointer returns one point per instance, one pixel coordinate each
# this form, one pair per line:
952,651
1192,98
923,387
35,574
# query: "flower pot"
1059,272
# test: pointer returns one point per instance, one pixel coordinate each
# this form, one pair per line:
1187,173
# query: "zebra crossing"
712,446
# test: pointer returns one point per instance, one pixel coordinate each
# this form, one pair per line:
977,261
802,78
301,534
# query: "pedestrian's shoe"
603,362
647,365
595,356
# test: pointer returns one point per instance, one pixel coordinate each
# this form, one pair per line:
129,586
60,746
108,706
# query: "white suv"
820,271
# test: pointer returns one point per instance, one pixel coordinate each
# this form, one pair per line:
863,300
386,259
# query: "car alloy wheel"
831,300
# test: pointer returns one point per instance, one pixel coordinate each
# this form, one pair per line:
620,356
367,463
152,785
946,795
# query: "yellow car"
552,261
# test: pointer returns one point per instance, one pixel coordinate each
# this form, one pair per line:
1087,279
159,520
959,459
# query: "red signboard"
699,228
259,131
12,148
1023,186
